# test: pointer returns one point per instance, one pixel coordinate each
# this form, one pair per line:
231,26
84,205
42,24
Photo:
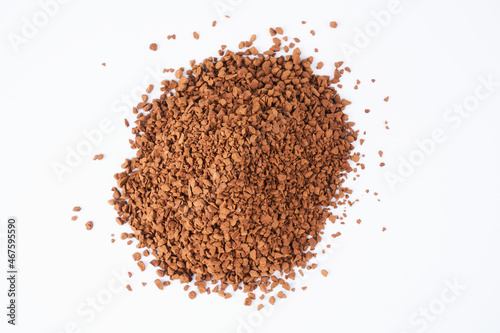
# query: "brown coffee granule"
333,24
386,99
129,274
126,122
367,110
260,307
73,218
248,301
382,164
186,287
192,294
104,64
136,256
196,35
303,22
89,225
384,229
159,284
141,265
320,65
313,32
153,47
279,31
145,253
129,288
324,273
77,209
214,23
281,295
272,300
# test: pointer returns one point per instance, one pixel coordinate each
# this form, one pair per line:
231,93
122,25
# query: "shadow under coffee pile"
236,165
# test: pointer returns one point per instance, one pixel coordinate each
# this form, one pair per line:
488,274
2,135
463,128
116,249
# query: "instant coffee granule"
236,165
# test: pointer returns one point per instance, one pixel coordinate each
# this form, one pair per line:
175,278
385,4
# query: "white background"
442,221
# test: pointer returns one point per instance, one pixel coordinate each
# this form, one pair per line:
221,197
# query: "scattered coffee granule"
373,80
324,273
260,307
145,253
313,32
316,50
104,64
126,122
98,157
382,164
380,153
281,295
153,47
333,24
73,218
348,69
236,165
112,240
358,221
159,284
367,110
129,287
279,31
89,225
136,256
129,274
186,287
384,229
77,208
141,265
129,242
214,23
320,65
196,35
150,88
304,288
248,301
272,300
303,22
192,294
386,99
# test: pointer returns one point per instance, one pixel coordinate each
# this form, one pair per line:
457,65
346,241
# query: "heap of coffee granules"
236,165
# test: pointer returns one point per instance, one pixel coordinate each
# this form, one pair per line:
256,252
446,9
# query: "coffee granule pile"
236,165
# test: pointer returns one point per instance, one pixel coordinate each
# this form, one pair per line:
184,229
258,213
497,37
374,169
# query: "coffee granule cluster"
236,165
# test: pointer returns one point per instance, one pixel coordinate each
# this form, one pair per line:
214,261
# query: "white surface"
442,222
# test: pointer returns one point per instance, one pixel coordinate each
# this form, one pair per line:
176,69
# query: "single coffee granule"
141,265
313,32
324,273
192,294
153,47
196,35
214,23
129,288
136,256
73,218
159,284
77,209
386,99
89,225
333,24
